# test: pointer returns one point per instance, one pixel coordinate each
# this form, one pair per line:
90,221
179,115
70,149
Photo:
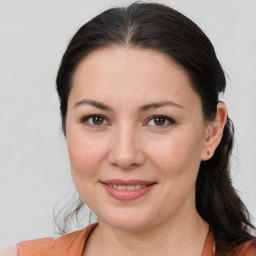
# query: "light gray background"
34,167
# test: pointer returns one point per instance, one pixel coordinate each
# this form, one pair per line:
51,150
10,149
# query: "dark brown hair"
158,27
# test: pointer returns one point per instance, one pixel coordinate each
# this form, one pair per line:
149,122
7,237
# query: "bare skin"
117,127
182,241
149,127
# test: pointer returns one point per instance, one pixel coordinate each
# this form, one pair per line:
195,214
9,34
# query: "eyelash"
166,119
86,118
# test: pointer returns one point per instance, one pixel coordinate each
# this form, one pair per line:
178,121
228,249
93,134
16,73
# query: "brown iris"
98,120
159,121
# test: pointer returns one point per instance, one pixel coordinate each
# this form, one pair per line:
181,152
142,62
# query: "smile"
132,187
127,190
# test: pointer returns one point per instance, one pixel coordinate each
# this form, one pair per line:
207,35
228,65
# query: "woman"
148,139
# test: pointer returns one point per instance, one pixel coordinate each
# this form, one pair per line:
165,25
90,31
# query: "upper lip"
127,182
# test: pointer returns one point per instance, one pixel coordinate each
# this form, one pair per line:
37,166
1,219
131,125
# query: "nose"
125,151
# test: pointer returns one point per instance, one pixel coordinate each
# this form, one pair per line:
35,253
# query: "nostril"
125,151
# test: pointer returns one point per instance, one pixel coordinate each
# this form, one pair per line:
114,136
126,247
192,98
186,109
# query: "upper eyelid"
83,119
170,122
92,115
163,116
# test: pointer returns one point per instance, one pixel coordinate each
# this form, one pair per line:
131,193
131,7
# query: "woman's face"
135,135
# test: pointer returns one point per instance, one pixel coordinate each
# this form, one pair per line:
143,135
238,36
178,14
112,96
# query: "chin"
132,222
129,226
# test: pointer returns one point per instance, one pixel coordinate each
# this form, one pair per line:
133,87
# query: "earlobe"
214,131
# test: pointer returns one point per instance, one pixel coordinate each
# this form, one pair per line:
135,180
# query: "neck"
169,238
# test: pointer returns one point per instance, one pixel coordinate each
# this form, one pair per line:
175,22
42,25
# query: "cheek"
177,153
85,154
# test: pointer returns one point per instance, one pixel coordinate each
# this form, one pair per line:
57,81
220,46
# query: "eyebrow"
159,105
142,108
93,103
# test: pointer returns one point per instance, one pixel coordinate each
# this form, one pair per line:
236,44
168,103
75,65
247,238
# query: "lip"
127,195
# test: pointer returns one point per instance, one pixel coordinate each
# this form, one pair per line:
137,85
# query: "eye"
95,120
160,121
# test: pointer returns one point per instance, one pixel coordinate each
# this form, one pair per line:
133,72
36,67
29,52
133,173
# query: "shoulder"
68,244
10,251
248,248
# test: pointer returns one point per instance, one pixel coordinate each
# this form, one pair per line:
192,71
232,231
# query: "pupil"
97,120
159,121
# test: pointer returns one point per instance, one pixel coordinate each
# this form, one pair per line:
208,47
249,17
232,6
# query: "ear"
214,131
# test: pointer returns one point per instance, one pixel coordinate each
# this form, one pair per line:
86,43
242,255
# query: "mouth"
127,190
130,187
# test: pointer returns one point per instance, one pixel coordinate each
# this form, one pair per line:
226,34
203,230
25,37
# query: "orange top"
73,244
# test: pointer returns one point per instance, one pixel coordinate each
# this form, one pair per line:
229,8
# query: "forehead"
134,60
129,72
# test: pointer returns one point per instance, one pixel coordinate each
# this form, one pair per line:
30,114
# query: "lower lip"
127,195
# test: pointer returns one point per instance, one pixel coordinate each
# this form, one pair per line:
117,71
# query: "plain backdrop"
34,166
